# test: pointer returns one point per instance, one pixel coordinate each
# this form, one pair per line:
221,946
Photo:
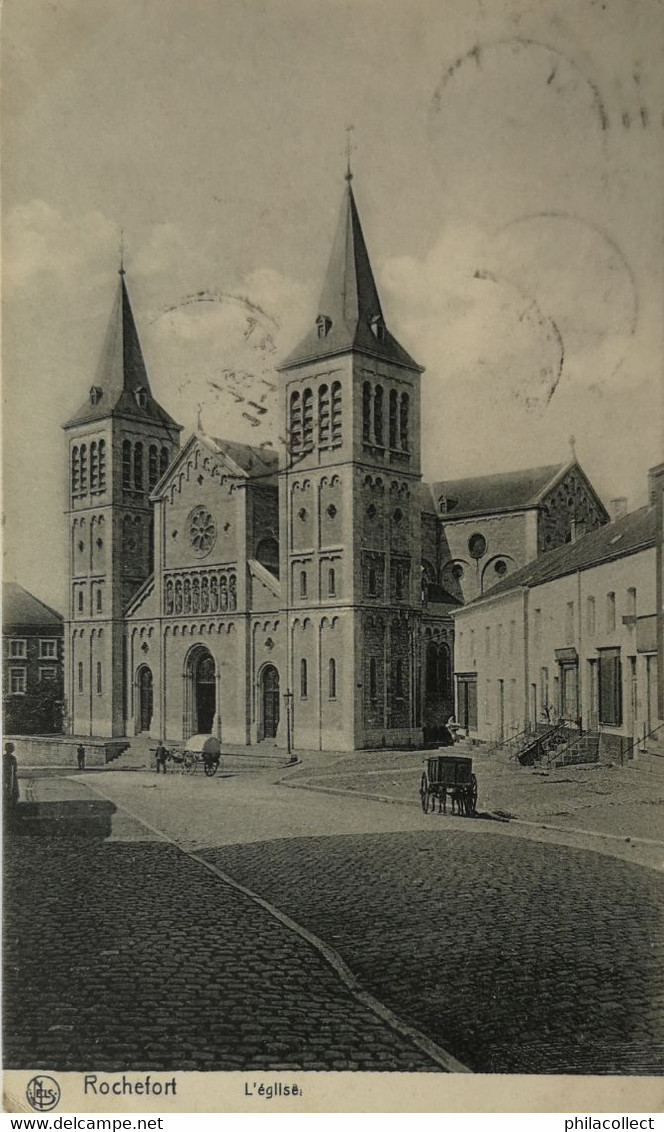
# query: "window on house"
332,679
487,640
141,397
18,678
308,419
304,686
544,688
323,326
98,600
590,616
138,467
48,650
366,411
94,466
336,413
403,421
631,602
84,469
303,583
377,327
80,675
99,678
378,415
610,612
537,628
126,464
393,418
47,674
153,466
373,679
610,688
323,415
80,601
331,582
569,623
163,461
102,465
75,470
18,649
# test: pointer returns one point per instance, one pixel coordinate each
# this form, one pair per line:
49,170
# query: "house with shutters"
302,594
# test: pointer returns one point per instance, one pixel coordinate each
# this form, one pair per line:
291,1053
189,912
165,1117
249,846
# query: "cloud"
40,241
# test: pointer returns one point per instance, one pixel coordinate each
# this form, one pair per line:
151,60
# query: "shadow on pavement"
89,819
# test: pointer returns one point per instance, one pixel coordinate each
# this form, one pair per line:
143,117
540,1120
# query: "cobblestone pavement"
515,956
123,952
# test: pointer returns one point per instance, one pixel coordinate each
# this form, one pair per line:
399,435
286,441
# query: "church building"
300,596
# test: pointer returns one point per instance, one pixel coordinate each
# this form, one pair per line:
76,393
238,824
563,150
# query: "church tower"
119,444
350,515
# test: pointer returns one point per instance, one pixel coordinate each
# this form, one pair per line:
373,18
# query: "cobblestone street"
126,953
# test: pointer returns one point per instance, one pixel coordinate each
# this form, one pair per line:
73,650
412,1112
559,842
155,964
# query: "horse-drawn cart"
449,776
200,750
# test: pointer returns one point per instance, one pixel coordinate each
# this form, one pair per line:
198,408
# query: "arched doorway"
438,689
145,698
269,702
201,693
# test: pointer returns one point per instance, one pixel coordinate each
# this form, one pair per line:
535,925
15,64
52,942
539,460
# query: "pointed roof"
121,372
20,607
349,301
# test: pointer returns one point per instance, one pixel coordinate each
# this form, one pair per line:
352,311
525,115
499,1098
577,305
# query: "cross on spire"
349,150
122,252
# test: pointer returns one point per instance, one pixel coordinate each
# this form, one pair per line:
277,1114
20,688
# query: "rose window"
202,531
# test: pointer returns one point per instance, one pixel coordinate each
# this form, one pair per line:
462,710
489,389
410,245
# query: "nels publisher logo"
43,1093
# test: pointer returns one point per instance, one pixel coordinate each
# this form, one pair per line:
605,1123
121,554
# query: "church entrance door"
270,701
205,692
145,698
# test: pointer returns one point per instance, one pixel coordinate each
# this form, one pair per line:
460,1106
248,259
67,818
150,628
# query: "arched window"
223,589
153,466
590,616
393,418
232,594
610,612
295,422
99,599
332,679
99,678
308,419
75,470
378,415
163,461
80,676
631,601
138,467
126,464
102,465
303,583
403,421
169,597
304,685
366,411
373,679
331,582
80,601
84,469
94,466
336,413
323,415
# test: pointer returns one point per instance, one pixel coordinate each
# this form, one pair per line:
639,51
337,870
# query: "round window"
500,567
477,546
202,531
302,514
331,510
457,572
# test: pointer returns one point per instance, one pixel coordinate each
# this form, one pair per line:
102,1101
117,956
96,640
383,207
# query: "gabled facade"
32,662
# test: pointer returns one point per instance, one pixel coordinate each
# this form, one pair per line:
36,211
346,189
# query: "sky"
507,158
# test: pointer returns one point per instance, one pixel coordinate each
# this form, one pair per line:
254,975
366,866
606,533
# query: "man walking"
80,755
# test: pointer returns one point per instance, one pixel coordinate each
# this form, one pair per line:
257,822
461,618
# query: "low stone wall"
60,750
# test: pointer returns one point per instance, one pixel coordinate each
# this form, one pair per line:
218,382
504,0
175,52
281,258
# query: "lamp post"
288,700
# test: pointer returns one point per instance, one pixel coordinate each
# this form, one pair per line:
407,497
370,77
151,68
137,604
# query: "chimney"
618,507
577,530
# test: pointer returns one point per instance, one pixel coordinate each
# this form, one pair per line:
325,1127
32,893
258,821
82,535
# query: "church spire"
350,316
121,386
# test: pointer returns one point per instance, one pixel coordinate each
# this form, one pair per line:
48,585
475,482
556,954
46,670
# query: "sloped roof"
627,535
349,299
253,462
20,607
504,491
121,372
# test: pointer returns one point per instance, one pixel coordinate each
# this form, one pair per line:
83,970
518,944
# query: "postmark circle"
42,1093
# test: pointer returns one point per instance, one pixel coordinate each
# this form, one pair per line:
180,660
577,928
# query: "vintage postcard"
333,619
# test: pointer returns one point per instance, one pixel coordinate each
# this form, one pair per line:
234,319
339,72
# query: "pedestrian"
80,755
10,777
161,754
